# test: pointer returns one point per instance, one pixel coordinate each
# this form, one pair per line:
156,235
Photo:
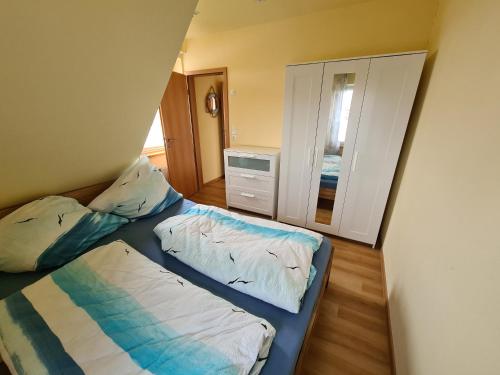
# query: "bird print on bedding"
26,220
265,259
50,232
139,192
66,323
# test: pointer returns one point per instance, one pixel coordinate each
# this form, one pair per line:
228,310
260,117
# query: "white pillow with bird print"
141,191
50,232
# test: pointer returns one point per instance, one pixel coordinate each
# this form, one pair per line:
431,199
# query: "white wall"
80,82
442,250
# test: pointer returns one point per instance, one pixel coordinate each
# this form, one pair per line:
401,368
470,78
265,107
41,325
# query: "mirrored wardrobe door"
340,107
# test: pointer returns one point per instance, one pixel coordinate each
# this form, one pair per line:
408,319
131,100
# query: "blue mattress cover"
328,183
290,328
329,177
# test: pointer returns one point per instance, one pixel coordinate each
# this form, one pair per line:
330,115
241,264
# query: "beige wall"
80,83
256,56
442,253
210,129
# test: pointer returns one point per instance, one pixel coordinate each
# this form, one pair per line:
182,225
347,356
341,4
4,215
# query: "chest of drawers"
252,175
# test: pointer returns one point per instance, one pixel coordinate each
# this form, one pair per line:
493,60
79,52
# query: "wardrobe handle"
354,161
248,195
315,156
309,152
247,175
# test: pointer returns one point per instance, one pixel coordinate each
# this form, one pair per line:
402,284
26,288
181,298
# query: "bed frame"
307,337
87,194
327,193
84,196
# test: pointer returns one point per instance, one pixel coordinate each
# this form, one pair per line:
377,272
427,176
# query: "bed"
292,329
330,171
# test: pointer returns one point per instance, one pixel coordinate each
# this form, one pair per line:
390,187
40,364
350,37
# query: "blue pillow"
50,232
141,191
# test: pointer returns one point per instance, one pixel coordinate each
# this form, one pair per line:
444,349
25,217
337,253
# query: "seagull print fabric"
141,191
262,258
113,311
50,232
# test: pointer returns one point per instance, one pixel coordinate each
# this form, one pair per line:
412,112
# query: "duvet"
113,311
265,259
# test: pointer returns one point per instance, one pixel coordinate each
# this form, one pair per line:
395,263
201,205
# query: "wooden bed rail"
83,195
307,338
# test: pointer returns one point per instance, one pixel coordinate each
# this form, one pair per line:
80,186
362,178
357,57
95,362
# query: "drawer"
245,180
263,165
250,200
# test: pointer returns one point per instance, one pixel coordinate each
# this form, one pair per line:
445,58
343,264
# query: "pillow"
50,232
140,191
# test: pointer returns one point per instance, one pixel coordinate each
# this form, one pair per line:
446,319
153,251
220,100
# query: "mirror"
212,102
340,105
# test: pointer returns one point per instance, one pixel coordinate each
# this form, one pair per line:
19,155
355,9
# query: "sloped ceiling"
79,84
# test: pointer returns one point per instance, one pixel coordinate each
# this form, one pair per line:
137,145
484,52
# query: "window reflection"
340,105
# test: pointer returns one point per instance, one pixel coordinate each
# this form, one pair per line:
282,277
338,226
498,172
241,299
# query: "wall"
256,56
441,249
80,83
159,159
210,128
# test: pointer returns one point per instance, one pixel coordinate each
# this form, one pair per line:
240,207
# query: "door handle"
248,195
168,141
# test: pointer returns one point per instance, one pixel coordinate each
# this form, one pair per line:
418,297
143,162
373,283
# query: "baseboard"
213,180
388,309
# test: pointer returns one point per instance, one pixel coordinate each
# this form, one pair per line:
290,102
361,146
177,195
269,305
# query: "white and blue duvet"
265,259
113,311
331,167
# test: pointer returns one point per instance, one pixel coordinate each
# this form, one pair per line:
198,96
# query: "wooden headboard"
84,196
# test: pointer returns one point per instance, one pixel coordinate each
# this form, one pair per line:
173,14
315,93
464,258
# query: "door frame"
191,75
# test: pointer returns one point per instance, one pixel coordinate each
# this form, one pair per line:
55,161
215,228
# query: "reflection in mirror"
341,97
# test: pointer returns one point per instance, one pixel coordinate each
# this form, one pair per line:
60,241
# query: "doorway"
210,132
193,140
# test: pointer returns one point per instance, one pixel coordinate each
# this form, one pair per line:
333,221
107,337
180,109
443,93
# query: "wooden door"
178,134
302,97
390,91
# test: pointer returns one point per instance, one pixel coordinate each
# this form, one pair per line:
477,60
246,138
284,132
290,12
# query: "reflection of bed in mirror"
329,176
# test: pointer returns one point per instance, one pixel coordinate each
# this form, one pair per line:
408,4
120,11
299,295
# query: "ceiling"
223,15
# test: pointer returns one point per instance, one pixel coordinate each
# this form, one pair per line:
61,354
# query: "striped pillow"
50,232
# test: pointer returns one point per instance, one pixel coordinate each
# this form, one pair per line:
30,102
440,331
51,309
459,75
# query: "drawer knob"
248,195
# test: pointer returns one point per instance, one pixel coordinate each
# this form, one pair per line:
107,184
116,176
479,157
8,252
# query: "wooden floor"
351,332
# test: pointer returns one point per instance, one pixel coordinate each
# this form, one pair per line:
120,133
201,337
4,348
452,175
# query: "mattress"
328,183
291,328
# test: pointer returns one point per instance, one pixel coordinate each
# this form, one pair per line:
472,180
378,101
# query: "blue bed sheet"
290,328
329,183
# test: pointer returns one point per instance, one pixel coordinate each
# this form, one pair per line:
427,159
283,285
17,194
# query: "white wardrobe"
344,125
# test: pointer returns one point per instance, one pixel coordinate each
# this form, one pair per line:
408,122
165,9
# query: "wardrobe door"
302,96
390,91
341,102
